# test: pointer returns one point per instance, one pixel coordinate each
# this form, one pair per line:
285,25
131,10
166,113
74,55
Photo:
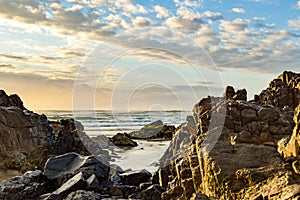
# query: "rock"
123,140
28,186
173,194
69,139
144,186
283,91
198,196
248,115
102,141
12,100
122,190
229,92
151,193
237,159
292,147
75,183
269,114
93,184
21,132
114,174
82,194
135,178
63,166
154,130
241,95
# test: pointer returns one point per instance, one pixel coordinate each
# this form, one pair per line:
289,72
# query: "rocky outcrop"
11,101
230,147
21,131
28,139
154,130
282,92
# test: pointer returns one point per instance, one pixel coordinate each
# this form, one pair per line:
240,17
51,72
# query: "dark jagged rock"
77,182
151,193
64,166
93,184
82,194
121,139
11,101
122,191
135,178
28,186
154,130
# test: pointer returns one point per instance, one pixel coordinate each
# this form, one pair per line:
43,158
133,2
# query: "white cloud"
234,26
294,23
238,10
187,13
141,22
212,15
259,18
184,25
189,3
161,11
298,4
135,9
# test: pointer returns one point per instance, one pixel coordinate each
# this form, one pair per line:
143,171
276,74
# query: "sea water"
109,123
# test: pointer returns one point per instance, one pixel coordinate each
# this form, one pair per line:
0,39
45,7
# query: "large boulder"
77,182
154,130
64,166
135,177
121,139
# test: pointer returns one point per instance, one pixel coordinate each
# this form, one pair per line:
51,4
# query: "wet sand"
8,174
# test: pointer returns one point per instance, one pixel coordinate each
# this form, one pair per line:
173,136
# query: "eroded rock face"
290,148
234,153
283,91
21,131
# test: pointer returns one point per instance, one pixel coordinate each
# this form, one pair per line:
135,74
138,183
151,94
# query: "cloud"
238,10
234,26
298,4
294,23
141,22
6,66
189,3
212,15
25,11
161,11
183,24
12,57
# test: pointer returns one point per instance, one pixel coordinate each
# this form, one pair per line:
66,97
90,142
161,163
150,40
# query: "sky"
143,55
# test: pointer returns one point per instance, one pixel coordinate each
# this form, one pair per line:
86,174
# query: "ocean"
100,122
109,123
